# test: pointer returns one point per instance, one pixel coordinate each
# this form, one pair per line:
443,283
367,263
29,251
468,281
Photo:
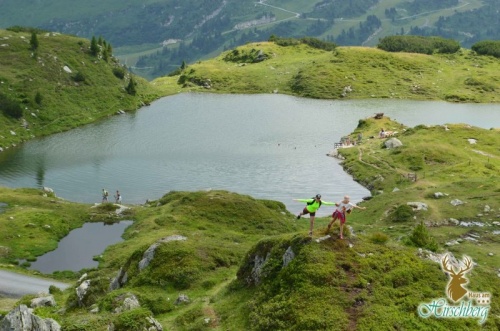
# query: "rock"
288,256
417,205
456,202
490,254
438,195
320,239
150,252
486,209
47,301
82,290
130,302
22,318
393,143
256,272
452,243
454,221
47,190
119,280
182,299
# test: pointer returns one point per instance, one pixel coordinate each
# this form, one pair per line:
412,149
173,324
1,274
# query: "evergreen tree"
131,87
94,48
38,98
34,41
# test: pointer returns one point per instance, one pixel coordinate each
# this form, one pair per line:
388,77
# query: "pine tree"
94,48
34,41
131,87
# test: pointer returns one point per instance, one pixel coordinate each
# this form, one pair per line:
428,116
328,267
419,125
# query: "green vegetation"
154,37
51,83
487,47
345,72
418,44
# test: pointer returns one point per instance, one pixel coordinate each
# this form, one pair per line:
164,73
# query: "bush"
402,213
38,98
487,47
421,237
379,238
419,44
54,289
119,72
132,320
10,107
79,77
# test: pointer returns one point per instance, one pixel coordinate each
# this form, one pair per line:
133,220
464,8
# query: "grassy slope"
65,103
372,73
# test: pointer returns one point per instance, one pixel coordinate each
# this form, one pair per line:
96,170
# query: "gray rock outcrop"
47,301
393,143
149,254
22,318
288,256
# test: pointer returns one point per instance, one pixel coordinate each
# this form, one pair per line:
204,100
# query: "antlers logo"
455,288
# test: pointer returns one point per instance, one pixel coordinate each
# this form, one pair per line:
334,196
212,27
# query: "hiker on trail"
313,204
104,195
118,197
343,207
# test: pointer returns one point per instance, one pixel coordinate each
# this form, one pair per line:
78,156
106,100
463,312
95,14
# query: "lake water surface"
76,251
267,146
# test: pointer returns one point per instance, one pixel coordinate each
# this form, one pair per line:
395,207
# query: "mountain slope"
59,85
346,72
155,36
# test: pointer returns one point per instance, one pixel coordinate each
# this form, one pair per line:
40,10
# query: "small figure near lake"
312,206
104,195
118,197
343,207
381,134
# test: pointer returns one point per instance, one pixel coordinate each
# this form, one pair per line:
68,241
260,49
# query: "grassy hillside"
370,73
363,283
73,86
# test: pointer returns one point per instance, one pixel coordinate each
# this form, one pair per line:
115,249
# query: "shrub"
421,237
132,320
487,47
38,98
402,213
119,72
10,107
131,89
379,238
79,77
54,289
419,44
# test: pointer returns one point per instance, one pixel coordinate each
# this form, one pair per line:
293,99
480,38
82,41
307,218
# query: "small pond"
77,250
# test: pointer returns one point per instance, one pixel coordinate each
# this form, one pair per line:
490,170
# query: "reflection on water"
76,250
267,146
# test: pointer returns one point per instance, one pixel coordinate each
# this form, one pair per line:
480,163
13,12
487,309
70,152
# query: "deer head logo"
454,289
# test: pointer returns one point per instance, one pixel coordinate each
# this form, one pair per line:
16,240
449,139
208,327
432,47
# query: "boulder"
393,143
47,301
150,252
22,318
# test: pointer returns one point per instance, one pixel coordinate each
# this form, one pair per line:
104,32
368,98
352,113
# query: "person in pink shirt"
343,207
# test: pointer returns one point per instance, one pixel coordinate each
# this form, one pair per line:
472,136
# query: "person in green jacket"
313,204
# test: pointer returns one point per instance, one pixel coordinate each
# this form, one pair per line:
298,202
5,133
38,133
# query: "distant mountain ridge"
139,29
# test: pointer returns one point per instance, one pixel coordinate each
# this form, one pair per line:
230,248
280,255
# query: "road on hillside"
14,285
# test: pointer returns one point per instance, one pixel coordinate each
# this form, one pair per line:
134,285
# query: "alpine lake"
268,146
